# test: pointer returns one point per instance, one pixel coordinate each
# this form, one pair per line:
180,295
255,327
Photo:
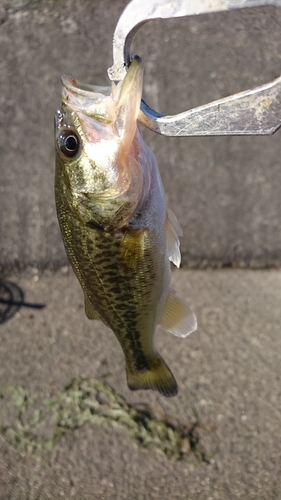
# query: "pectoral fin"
173,231
132,250
178,317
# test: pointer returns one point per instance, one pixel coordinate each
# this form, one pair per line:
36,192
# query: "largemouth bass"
118,233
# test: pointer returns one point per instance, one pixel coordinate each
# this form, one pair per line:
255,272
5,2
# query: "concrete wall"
224,190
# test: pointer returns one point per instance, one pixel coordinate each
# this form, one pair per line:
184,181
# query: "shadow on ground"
12,299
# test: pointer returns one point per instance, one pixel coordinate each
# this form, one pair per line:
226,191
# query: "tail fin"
157,377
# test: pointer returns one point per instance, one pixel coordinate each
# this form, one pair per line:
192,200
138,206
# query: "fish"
118,233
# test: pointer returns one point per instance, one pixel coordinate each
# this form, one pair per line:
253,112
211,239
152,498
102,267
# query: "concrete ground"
227,412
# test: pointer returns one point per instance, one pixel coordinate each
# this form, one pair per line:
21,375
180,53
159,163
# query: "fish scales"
120,298
117,231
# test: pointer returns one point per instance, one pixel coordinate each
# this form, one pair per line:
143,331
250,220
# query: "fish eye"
69,143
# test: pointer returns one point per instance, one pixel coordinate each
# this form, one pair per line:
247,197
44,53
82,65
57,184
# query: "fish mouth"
91,100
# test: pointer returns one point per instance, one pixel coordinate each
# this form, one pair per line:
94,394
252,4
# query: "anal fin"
178,317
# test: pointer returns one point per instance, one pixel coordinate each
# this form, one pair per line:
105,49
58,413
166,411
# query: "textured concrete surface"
225,190
229,383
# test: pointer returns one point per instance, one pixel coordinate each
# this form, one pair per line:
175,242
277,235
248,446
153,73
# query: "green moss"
92,401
